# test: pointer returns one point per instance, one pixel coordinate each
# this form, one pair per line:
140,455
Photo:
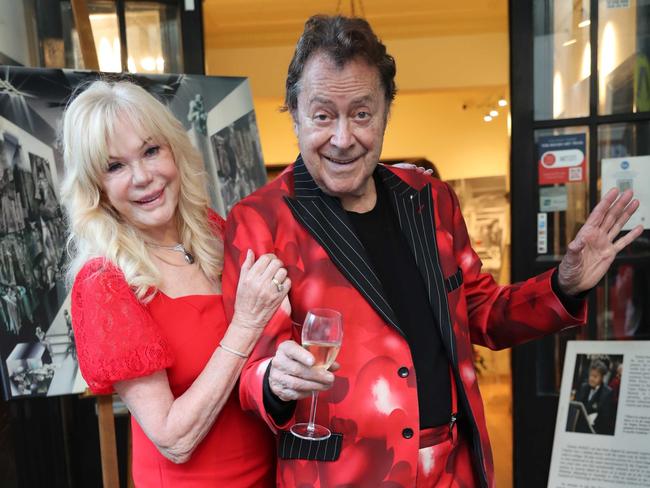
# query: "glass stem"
312,412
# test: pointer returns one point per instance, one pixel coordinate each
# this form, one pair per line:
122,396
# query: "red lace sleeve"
115,335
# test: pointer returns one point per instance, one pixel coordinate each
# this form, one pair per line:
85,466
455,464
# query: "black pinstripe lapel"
327,222
414,210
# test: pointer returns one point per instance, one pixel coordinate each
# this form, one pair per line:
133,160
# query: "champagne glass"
322,333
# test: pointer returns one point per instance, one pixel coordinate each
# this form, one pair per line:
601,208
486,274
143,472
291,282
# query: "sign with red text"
561,159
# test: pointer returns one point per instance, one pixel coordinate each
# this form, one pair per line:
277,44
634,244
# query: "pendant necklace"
189,257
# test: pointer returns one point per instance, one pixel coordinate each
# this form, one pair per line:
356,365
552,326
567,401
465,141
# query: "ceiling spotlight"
493,113
568,43
584,23
487,118
502,102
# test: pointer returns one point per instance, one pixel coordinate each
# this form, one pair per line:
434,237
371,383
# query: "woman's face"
141,182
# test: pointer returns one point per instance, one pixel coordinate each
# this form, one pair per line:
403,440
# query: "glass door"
580,125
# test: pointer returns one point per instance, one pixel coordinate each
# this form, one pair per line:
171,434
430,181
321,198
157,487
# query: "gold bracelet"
233,351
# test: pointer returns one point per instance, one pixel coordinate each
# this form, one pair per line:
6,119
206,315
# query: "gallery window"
134,36
128,35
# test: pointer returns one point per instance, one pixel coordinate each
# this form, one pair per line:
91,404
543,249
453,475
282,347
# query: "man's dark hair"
599,366
342,39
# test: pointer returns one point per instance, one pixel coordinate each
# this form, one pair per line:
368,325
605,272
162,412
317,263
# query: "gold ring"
278,285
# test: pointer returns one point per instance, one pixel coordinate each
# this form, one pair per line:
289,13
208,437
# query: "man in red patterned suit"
388,248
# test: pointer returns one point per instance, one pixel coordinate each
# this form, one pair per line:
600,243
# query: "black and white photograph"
37,348
595,393
238,158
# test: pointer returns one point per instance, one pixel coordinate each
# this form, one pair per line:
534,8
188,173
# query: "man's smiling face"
340,123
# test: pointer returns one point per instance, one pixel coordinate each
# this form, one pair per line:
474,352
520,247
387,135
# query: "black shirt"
393,261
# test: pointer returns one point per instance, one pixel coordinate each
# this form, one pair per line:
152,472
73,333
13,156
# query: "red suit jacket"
373,404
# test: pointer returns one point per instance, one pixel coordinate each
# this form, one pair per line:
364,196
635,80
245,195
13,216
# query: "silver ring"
277,284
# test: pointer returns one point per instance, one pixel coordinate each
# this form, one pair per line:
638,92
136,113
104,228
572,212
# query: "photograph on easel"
595,393
37,348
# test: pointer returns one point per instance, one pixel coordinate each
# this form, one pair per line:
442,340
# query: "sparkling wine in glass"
322,333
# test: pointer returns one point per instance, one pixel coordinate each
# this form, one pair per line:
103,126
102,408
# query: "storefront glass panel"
622,297
562,58
106,33
624,162
623,57
153,37
623,303
51,39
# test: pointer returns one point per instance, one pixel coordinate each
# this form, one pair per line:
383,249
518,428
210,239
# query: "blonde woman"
146,305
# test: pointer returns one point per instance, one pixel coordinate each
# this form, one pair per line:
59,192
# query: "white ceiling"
262,23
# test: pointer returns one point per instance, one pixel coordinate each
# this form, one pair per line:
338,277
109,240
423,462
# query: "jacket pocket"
454,281
292,447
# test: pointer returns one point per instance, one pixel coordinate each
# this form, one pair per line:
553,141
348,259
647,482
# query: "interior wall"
422,64
436,77
432,124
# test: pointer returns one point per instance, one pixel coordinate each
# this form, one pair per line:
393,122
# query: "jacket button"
407,433
403,372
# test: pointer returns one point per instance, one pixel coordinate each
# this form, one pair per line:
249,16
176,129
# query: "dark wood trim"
107,443
192,38
533,415
121,21
599,120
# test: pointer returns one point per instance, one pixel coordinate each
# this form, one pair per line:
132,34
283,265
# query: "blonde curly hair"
95,228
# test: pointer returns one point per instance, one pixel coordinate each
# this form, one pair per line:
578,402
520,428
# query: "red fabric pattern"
446,465
119,338
116,337
370,403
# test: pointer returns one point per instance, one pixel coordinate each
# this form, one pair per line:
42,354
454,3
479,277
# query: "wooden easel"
85,31
105,418
107,444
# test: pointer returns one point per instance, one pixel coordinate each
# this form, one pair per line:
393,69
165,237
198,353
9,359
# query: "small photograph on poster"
629,173
561,159
238,158
594,394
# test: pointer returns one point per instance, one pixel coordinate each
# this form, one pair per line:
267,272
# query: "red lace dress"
119,338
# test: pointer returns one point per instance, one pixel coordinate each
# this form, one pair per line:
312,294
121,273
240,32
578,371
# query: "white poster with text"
602,432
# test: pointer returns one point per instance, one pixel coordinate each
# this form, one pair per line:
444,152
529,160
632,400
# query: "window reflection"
106,34
153,34
153,38
623,297
623,303
626,140
623,58
562,64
